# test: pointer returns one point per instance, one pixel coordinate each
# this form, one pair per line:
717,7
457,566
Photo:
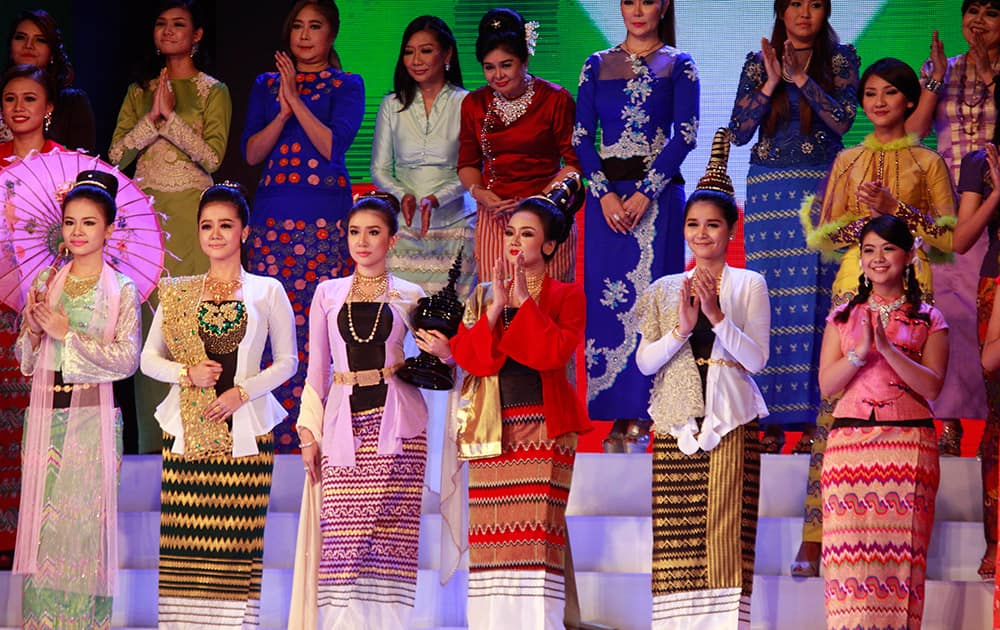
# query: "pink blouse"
876,387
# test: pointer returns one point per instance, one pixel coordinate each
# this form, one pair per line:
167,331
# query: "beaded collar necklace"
884,310
510,110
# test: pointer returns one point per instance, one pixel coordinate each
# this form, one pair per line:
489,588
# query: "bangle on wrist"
244,396
676,334
934,86
182,376
303,445
854,359
472,190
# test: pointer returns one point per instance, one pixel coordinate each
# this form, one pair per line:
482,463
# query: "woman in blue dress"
301,120
643,94
800,91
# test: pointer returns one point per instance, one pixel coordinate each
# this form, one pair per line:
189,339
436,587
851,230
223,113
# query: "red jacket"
542,336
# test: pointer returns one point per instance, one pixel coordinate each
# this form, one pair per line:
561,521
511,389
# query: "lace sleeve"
134,132
687,104
837,110
751,104
87,359
585,128
207,148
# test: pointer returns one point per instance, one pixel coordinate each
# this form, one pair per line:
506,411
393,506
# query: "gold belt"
366,378
68,388
722,362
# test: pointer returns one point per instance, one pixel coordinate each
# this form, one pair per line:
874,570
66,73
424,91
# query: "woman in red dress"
27,107
516,138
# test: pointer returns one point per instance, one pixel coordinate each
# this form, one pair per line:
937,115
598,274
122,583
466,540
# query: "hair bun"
381,195
105,181
501,20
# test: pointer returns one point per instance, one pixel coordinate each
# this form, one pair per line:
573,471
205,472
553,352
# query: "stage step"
611,534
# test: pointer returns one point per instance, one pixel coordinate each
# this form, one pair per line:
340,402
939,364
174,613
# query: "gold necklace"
221,290
378,285
534,287
884,310
805,68
75,287
637,55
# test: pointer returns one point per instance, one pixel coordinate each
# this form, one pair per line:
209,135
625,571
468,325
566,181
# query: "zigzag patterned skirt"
370,525
705,531
212,537
879,485
517,526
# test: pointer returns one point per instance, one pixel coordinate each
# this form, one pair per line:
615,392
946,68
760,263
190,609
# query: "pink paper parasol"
31,235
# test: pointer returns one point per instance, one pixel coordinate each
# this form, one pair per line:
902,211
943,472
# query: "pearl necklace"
884,310
372,288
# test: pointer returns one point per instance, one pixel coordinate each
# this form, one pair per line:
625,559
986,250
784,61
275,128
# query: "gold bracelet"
244,396
183,376
678,336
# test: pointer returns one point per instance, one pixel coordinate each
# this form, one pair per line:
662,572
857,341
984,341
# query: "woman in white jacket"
703,333
207,340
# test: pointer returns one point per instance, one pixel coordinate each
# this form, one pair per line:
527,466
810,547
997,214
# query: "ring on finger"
617,218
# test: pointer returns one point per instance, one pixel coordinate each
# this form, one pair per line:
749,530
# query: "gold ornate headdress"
716,176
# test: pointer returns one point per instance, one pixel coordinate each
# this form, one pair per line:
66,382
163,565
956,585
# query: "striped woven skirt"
370,526
798,286
517,526
212,537
879,485
705,531
14,389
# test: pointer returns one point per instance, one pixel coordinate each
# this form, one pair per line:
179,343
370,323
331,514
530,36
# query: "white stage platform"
611,533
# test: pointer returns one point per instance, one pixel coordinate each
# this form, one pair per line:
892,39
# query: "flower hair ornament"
531,36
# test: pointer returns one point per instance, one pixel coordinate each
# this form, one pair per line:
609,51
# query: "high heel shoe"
637,436
988,565
615,441
950,442
806,563
773,440
805,443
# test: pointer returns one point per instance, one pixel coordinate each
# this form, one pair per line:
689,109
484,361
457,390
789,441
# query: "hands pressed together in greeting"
698,293
876,195
164,99
42,319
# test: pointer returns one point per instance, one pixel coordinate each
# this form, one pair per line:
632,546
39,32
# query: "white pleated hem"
501,600
710,609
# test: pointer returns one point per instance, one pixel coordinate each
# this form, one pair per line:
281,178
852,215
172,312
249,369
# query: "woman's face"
982,20
369,241
174,33
884,103
220,231
642,17
882,262
706,231
525,236
84,227
24,106
424,59
505,73
803,20
311,39
30,45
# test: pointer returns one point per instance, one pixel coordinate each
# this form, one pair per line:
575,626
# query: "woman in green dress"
80,333
174,124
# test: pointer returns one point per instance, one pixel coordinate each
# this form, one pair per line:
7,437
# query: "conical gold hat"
716,176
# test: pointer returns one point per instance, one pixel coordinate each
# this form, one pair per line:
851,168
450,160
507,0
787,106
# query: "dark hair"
152,64
725,203
894,230
59,67
986,3
899,74
98,187
502,28
556,218
36,74
820,69
666,29
328,9
229,192
402,83
381,203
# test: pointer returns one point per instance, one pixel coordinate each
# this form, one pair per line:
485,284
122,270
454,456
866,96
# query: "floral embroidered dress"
646,109
174,162
67,543
786,165
301,204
